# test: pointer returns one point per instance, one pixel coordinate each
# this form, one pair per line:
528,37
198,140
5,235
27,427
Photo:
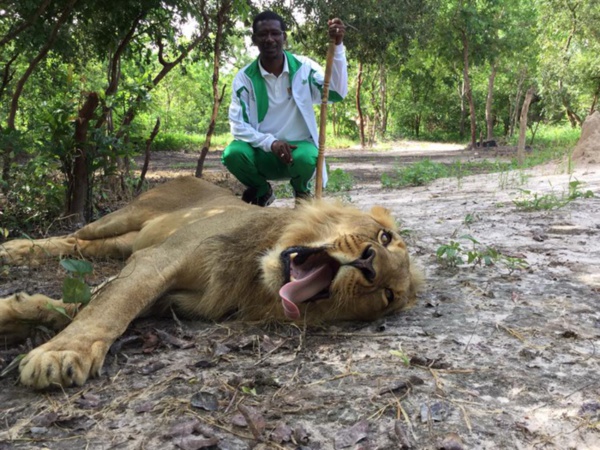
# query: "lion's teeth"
292,278
293,256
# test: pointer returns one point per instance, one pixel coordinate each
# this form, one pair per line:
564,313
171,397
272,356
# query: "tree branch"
29,22
35,61
114,72
167,67
7,75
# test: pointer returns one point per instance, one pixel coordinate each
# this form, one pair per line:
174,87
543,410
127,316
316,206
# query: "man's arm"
338,84
239,122
339,73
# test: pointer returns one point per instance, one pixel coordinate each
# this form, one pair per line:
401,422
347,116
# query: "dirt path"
496,357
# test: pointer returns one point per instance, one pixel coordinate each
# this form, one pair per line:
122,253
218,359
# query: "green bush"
35,198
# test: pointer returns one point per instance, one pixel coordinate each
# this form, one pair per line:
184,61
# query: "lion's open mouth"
308,273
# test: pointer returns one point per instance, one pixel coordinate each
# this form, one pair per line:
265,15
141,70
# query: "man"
271,113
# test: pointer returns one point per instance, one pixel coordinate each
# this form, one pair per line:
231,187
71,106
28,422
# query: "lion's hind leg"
21,313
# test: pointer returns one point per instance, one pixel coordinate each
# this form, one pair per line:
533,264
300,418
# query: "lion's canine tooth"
292,278
293,256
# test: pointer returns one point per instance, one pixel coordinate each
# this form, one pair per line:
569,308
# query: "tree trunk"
574,118
515,109
489,117
595,100
523,126
383,100
211,130
463,111
468,90
79,180
147,156
217,99
361,119
417,125
571,114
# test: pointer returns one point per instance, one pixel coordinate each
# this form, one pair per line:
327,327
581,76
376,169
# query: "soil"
500,356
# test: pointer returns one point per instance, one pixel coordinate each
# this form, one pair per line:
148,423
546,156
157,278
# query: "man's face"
269,38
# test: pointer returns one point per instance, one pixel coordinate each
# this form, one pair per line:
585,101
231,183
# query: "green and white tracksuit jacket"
249,102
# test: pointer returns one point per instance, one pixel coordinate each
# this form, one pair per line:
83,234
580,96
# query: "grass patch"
552,143
283,190
532,201
426,171
188,143
418,174
183,165
338,181
178,142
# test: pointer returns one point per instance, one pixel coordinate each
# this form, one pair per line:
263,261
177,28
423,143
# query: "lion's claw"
44,367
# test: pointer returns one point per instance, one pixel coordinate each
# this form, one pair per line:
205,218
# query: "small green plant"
403,356
454,254
471,218
249,391
532,201
575,192
283,190
75,289
339,181
450,255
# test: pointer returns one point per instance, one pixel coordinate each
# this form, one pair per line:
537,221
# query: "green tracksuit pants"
253,166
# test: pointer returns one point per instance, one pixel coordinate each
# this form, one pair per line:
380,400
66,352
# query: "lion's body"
199,250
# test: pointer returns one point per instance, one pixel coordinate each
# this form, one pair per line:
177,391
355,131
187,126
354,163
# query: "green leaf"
76,291
77,266
470,238
59,310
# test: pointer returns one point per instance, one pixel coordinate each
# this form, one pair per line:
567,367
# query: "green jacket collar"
258,83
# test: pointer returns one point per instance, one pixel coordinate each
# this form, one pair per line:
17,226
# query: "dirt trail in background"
490,358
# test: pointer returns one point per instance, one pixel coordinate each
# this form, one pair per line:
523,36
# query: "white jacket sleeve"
339,72
338,84
239,124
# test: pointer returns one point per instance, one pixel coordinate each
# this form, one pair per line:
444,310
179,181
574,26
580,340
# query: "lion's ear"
383,216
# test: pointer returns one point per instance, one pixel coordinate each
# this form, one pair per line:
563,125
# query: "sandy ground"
492,357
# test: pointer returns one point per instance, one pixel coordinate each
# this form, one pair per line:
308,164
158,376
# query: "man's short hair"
268,15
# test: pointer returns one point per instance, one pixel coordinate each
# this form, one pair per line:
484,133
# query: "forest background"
86,85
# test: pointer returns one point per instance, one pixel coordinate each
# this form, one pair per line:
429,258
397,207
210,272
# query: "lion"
197,250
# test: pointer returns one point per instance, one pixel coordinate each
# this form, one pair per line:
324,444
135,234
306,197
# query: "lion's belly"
208,220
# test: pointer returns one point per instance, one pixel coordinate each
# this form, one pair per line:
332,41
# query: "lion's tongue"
299,291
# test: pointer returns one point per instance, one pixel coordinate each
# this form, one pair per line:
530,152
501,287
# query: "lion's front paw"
53,364
16,252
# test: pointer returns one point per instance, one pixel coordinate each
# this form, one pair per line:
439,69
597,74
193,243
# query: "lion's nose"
365,263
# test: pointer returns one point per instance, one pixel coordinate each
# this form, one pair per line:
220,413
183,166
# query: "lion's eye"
385,237
389,295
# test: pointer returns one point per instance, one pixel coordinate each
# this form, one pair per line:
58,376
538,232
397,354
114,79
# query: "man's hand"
337,30
283,151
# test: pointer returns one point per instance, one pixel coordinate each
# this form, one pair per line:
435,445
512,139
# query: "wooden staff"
323,118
